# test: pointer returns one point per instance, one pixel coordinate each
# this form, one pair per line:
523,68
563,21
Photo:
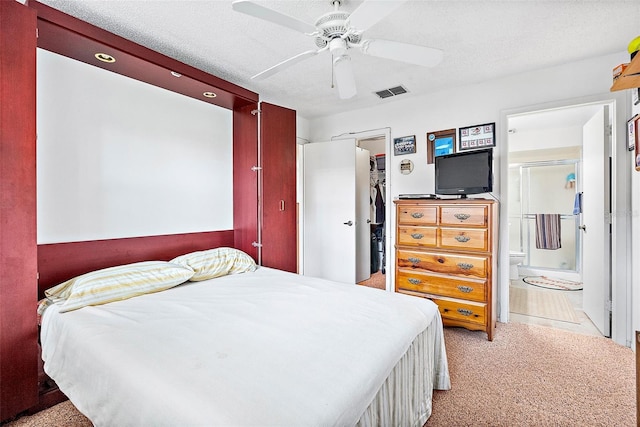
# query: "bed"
253,347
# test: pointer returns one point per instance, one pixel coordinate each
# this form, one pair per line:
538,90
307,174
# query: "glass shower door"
550,188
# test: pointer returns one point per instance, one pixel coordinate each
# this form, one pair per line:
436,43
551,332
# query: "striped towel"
548,231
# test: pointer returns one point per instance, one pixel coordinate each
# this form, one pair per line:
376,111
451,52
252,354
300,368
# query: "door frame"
621,320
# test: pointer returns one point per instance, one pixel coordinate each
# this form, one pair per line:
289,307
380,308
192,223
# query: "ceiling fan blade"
344,77
370,12
405,52
258,11
286,64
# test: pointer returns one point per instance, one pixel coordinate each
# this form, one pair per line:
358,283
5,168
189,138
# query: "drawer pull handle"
462,239
414,261
417,214
465,289
465,312
465,266
417,236
462,216
414,281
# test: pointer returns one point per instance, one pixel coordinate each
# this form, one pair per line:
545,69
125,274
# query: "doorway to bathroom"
548,155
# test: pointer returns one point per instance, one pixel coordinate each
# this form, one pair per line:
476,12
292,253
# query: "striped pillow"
116,283
216,262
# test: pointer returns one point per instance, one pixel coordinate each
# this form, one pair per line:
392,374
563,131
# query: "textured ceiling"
481,40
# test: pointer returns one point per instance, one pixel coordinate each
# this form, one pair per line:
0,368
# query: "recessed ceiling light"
209,95
105,57
175,74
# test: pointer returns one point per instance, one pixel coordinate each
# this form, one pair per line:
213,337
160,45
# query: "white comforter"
261,348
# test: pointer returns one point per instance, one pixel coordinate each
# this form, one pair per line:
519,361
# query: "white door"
596,236
330,215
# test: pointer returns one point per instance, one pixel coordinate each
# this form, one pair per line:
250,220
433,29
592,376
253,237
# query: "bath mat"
551,283
548,305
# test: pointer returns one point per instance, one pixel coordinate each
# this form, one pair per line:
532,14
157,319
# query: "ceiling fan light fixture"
344,77
338,47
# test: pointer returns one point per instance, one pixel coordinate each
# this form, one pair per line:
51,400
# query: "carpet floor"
532,375
527,376
376,280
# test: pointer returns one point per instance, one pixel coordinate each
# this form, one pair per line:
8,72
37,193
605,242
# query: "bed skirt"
404,399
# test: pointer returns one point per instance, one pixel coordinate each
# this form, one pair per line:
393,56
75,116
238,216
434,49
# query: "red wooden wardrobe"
22,260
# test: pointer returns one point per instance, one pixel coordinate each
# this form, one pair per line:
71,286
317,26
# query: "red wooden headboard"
58,262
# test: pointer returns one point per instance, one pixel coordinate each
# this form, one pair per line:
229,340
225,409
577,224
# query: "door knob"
349,223
583,227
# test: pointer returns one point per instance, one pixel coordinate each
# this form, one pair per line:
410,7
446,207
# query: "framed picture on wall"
440,143
404,145
631,132
478,136
637,142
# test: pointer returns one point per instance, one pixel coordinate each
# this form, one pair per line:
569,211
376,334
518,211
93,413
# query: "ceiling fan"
339,32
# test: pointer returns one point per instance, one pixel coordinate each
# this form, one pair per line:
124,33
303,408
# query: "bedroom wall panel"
279,211
18,321
54,266
118,157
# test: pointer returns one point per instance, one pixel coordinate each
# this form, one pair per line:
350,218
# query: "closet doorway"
376,146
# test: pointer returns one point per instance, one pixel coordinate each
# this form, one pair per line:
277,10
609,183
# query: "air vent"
386,93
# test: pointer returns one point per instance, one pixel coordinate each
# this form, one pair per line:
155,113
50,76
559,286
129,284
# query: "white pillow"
216,262
115,284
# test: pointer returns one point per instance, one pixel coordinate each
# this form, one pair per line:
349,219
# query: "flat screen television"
464,173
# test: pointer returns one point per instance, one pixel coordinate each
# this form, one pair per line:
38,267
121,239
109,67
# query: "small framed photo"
440,143
478,136
637,142
635,95
632,133
404,145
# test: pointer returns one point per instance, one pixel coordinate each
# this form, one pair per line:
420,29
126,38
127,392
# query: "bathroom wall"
542,187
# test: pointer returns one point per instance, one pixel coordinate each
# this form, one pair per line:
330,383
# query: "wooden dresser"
446,250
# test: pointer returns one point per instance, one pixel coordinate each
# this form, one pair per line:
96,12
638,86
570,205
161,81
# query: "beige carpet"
535,376
547,304
527,376
377,280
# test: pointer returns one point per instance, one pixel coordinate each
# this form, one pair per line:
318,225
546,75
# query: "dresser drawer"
417,215
465,311
464,238
464,215
468,289
463,265
417,236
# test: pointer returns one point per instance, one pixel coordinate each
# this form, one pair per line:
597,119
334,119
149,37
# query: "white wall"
120,158
635,234
543,139
470,105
